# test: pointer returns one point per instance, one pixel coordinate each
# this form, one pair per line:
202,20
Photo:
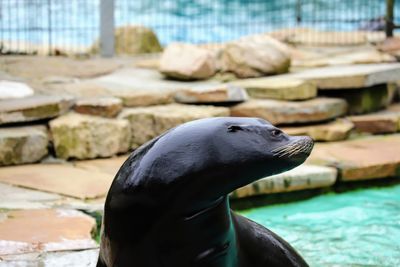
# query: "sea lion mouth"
300,146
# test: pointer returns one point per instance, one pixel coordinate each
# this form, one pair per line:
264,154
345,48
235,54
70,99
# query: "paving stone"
11,89
108,107
33,108
25,231
214,94
351,76
84,137
376,123
110,165
289,112
21,260
12,197
301,178
187,62
365,100
339,129
149,122
85,258
277,88
20,145
361,159
60,179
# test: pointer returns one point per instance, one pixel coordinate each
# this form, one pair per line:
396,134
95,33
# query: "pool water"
357,228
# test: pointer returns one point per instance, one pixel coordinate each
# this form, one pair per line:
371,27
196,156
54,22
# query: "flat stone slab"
360,159
26,231
60,179
20,145
351,76
110,165
85,137
376,123
33,108
144,87
210,94
12,197
108,107
149,122
278,88
301,178
290,112
336,130
84,258
87,258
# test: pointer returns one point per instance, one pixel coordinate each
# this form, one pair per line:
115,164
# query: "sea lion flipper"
257,242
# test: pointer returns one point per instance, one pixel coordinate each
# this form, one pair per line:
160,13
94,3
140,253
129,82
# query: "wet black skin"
168,203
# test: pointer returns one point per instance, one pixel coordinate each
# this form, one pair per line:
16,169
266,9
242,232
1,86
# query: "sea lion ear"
234,128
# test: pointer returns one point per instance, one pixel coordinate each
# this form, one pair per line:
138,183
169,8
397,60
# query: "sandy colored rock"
25,231
187,62
149,122
20,145
224,93
360,159
85,137
281,89
351,76
376,123
288,112
365,100
111,165
339,129
99,106
60,179
314,37
303,177
133,40
255,56
33,108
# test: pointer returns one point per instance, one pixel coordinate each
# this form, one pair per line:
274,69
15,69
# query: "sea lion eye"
276,132
234,128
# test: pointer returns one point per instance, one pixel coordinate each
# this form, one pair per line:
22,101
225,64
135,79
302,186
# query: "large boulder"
20,145
133,40
255,56
187,62
85,137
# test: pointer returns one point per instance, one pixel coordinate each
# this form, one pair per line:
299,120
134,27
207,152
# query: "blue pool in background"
358,228
76,22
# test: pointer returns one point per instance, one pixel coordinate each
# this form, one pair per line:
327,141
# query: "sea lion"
168,204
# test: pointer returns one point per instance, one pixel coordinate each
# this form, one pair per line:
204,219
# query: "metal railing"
54,26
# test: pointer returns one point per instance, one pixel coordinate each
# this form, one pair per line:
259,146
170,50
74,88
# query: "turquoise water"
198,21
358,228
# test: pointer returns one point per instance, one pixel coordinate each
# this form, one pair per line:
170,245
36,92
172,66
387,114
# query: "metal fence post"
389,18
107,41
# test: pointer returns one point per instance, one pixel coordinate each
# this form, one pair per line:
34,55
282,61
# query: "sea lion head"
218,155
